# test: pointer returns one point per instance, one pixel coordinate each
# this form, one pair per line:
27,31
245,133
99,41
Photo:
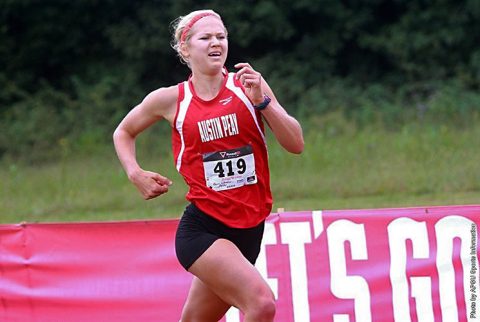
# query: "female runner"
219,148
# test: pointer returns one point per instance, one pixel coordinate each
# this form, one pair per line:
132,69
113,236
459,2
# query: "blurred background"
387,92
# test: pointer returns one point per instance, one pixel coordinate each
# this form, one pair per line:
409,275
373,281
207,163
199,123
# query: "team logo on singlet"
218,127
226,100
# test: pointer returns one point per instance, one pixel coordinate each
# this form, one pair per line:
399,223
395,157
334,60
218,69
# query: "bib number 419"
240,167
230,169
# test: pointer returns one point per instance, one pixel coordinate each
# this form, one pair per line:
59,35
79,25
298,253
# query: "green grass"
340,169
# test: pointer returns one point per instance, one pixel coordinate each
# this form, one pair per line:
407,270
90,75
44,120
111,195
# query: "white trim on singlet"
182,111
241,95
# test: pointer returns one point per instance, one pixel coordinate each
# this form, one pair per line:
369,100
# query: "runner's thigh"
230,275
203,304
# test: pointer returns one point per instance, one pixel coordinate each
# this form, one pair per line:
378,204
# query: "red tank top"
219,148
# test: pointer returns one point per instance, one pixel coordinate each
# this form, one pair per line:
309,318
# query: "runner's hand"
150,184
251,81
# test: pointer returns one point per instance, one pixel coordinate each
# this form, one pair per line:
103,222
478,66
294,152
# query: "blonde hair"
182,22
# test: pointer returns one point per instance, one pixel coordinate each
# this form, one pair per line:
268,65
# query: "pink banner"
413,264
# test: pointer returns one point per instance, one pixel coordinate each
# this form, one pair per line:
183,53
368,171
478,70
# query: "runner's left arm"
287,130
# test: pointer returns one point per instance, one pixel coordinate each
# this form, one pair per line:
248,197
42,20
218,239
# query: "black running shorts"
197,231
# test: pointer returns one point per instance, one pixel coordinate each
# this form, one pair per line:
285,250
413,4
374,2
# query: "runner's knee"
263,309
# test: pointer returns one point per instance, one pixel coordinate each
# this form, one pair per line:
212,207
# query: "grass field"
341,168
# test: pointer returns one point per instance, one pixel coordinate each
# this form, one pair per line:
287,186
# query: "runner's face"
207,47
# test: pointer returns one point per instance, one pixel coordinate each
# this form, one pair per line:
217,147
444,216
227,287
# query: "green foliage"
426,40
341,167
79,66
34,126
452,104
448,103
48,123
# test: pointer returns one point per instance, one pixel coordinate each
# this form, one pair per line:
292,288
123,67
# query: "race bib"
229,169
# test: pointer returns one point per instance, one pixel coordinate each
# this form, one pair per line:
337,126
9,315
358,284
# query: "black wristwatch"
264,104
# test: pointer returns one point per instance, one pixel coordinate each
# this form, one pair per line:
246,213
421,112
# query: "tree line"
72,69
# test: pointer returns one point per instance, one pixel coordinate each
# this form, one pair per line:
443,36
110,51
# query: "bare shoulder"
162,102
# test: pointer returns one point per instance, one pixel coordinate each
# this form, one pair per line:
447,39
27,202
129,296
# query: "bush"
448,103
453,104
49,123
33,128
